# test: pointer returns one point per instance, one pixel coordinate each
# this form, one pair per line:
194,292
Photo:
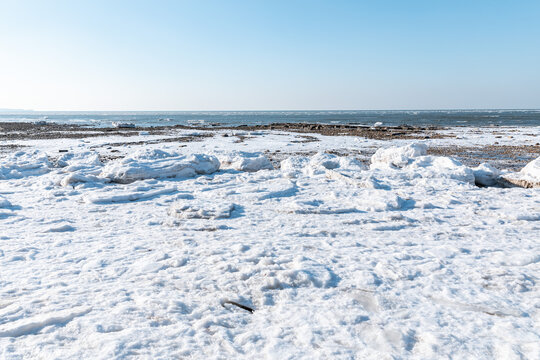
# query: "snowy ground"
117,251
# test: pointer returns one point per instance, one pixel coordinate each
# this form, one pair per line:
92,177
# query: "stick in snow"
247,308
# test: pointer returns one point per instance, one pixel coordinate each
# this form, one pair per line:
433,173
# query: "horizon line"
8,110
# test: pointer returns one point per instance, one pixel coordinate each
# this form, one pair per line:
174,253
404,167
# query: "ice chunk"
77,177
22,164
71,162
532,170
486,175
350,163
292,166
441,167
528,177
414,161
245,161
398,156
319,164
81,167
327,161
153,164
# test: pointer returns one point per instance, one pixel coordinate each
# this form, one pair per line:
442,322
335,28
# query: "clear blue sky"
269,55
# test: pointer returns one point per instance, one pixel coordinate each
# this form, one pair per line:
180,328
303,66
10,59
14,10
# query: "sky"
269,55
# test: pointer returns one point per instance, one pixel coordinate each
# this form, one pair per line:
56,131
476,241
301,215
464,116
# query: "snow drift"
21,164
245,161
155,164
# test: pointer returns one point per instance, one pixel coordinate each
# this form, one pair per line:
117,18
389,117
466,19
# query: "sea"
439,118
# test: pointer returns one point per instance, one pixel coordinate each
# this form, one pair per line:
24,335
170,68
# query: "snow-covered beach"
342,246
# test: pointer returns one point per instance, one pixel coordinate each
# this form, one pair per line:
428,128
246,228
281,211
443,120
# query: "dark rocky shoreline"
23,131
503,156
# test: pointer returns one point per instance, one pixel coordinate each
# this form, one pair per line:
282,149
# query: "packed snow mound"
154,164
329,162
528,177
532,170
441,167
294,163
22,164
486,175
77,178
412,159
183,209
81,167
245,161
325,160
397,157
319,164
293,166
71,162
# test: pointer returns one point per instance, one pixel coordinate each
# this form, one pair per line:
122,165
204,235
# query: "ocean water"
473,118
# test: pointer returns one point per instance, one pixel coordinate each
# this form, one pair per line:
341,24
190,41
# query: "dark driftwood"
247,308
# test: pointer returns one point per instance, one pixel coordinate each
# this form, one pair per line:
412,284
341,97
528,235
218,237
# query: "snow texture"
155,164
142,252
398,157
22,164
245,161
528,177
486,175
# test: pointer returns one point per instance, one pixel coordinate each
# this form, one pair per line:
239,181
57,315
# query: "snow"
245,161
186,210
120,197
532,169
154,164
142,254
441,167
318,164
529,176
61,228
4,203
398,156
32,325
22,164
411,163
486,175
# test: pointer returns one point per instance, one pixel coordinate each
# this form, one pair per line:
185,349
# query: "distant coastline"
473,118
